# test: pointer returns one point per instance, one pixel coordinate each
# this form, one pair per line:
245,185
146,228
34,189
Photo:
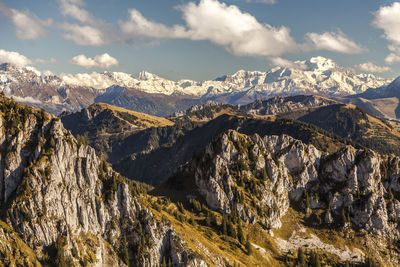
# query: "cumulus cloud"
394,55
387,18
332,41
73,8
238,32
281,62
29,26
84,35
14,58
89,31
46,61
371,67
103,61
139,26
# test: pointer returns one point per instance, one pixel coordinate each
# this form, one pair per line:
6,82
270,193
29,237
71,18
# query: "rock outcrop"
260,178
71,208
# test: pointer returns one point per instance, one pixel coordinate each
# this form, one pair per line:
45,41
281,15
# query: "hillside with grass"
353,123
101,125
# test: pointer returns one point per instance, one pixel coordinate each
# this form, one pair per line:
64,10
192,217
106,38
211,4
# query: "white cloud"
84,35
103,61
72,8
394,55
46,61
89,31
238,32
139,26
29,26
371,67
27,99
332,41
387,18
14,58
281,62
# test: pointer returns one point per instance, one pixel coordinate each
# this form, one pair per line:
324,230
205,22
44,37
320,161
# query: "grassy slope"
351,122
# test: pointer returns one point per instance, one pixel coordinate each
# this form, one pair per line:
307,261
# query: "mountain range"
290,167
152,94
267,184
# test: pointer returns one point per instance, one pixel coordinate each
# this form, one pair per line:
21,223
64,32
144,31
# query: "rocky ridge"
280,105
68,207
260,178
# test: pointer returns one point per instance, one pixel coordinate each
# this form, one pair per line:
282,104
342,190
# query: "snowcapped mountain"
320,76
315,76
29,86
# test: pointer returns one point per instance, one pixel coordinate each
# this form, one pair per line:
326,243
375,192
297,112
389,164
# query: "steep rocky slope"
61,205
251,198
348,121
353,194
280,105
175,145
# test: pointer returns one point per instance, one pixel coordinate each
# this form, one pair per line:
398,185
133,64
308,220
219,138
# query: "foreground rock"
68,207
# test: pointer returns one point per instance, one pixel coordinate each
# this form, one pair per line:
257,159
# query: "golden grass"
146,119
15,251
215,247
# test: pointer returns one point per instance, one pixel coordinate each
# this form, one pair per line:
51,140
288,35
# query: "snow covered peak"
38,73
320,64
144,76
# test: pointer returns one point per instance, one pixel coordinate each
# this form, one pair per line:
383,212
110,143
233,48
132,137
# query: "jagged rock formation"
70,208
260,178
280,105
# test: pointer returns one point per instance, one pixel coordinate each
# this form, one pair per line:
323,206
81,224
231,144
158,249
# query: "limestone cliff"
67,207
261,178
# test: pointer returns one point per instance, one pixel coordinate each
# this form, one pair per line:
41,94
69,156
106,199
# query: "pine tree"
315,260
300,257
249,247
208,218
124,251
223,225
231,229
241,237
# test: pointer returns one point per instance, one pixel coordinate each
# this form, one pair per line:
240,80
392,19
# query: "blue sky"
199,39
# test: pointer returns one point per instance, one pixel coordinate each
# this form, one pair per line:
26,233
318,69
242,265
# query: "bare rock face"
260,178
59,196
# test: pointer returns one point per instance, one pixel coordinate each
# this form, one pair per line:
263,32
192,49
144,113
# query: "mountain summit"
318,75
